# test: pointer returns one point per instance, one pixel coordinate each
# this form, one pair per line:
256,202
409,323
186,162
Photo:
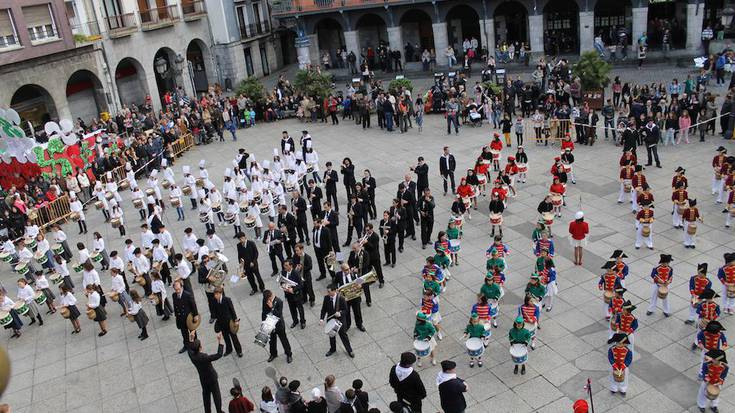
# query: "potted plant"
593,73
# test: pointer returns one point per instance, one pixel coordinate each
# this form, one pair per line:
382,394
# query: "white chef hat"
228,172
164,162
154,173
186,169
128,166
266,164
308,143
109,176
275,152
113,203
202,163
72,195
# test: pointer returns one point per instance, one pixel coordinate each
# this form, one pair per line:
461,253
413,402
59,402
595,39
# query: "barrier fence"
59,209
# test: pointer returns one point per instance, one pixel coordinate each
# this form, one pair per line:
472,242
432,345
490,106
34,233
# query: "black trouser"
164,308
230,338
410,230
82,226
142,213
210,302
354,306
368,296
653,149
253,273
289,245
390,250
302,229
193,203
296,307
280,332
378,267
381,120
401,236
348,190
210,391
165,274
121,228
342,336
185,335
209,226
333,115
365,121
273,254
332,196
427,226
307,292
372,210
320,261
357,226
334,238
448,177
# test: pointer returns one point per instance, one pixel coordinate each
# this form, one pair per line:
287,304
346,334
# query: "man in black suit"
447,165
322,246
184,304
330,219
303,264
298,207
372,247
273,238
292,286
330,180
388,230
287,224
315,195
274,305
343,277
335,306
224,312
286,139
422,176
247,255
426,209
408,201
359,262
400,216
207,374
355,211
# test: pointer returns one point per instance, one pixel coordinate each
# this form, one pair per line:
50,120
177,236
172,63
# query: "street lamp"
161,65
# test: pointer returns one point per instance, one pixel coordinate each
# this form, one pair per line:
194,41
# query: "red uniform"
608,281
557,189
616,305
718,160
464,191
625,323
644,214
690,214
708,310
662,274
511,169
627,157
638,180
483,311
677,179
619,355
627,172
567,144
500,193
529,313
679,196
714,373
645,198
699,284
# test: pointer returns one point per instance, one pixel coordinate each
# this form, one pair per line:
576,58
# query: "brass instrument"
353,290
330,260
216,275
241,270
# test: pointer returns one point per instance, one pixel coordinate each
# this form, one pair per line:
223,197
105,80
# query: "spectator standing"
451,388
407,383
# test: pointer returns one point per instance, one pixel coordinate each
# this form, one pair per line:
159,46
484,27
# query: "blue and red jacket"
619,357
711,341
662,274
714,374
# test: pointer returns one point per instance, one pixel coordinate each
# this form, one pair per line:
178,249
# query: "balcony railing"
121,25
193,10
159,17
298,6
254,29
86,32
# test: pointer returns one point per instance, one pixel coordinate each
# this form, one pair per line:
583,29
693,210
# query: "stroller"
474,117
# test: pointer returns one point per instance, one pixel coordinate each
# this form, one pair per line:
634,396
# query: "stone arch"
35,106
372,30
511,22
463,22
416,27
85,95
561,27
669,15
130,81
199,64
168,68
330,36
610,17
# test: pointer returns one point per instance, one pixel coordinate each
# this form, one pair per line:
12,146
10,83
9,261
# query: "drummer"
111,187
98,244
424,331
625,322
61,238
531,314
496,207
548,280
190,181
6,305
621,268
475,329
215,199
522,162
454,235
644,216
43,286
557,190
25,255
536,289
100,193
430,307
117,213
31,230
714,372
707,309
690,218
160,259
711,338
139,196
233,210
176,193
609,282
626,175
620,358
679,199
544,243
43,248
94,303
27,295
76,207
662,276
519,335
441,247
206,215
615,307
726,275
636,182
492,292
139,315
68,305
698,283
62,269
117,285
466,194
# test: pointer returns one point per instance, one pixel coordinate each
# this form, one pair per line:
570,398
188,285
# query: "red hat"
511,158
580,406
496,134
558,158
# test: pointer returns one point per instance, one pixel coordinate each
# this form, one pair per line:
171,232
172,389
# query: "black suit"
248,253
322,248
280,330
373,249
208,377
316,200
356,221
331,187
306,267
426,207
329,307
298,207
288,221
447,165
333,218
353,304
224,312
422,179
369,185
288,140
388,231
354,262
274,238
183,306
408,201
295,302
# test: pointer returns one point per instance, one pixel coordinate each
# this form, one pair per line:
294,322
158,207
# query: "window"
40,22
8,35
242,21
256,17
264,60
249,62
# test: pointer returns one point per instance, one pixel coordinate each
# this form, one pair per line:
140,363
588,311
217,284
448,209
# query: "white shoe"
440,336
418,363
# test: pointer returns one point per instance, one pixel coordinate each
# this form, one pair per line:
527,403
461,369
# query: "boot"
143,334
40,320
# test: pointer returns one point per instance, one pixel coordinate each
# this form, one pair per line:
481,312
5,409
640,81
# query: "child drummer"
27,295
492,293
620,358
454,233
430,307
475,329
424,330
714,372
42,285
519,335
6,304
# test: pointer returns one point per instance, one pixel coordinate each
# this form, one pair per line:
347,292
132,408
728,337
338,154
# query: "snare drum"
200,183
217,207
455,245
422,348
58,249
663,291
466,201
108,195
618,375
39,298
496,219
309,168
6,257
331,327
56,279
203,217
96,257
74,216
30,243
186,190
627,186
607,296
257,197
5,318
557,200
519,353
77,267
150,191
713,392
22,268
138,203
166,184
646,230
21,308
474,346
175,202
244,206
522,167
230,217
548,218
40,257
264,208
496,154
692,229
249,222
124,185
115,222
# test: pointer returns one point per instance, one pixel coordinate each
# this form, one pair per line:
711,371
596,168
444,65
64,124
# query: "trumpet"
353,290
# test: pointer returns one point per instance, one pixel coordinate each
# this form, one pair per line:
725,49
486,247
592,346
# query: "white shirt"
166,239
190,243
118,263
24,254
98,244
141,264
203,252
41,282
61,268
158,287
215,243
129,256
83,255
183,269
90,277
159,254
93,300
7,304
134,308
60,236
76,206
31,231
68,299
42,246
9,247
118,213
117,283
146,239
26,293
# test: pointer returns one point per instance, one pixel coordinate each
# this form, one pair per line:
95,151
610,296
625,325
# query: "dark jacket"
328,309
288,221
203,363
183,306
410,389
223,311
247,252
331,184
325,241
443,164
451,395
276,310
306,265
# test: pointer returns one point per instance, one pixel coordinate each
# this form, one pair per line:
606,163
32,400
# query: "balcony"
193,10
121,25
286,7
254,30
159,17
85,32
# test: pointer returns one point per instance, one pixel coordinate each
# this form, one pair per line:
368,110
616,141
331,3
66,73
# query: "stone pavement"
55,371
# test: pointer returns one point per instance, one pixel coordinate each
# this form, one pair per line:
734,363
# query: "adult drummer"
519,335
334,306
620,358
726,275
714,372
184,305
273,305
662,276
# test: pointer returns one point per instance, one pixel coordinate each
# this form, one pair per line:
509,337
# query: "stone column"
487,36
694,27
441,42
314,55
640,22
302,45
395,40
352,42
586,31
536,33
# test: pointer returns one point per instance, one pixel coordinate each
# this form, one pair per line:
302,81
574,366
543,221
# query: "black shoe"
227,353
362,328
143,337
523,369
689,322
311,304
183,350
413,237
253,292
386,264
515,369
303,325
211,321
667,315
294,324
701,409
346,244
622,393
649,312
329,353
165,318
369,304
274,274
271,358
351,354
381,285
33,321
308,242
321,278
289,359
40,322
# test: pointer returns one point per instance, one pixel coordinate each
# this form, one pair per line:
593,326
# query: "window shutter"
6,26
37,15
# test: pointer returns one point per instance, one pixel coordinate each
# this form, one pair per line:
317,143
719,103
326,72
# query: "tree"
252,88
313,83
592,71
395,86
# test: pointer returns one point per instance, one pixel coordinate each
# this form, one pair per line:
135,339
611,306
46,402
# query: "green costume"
491,291
495,262
475,330
433,286
541,262
442,260
519,335
536,234
453,233
423,330
538,290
